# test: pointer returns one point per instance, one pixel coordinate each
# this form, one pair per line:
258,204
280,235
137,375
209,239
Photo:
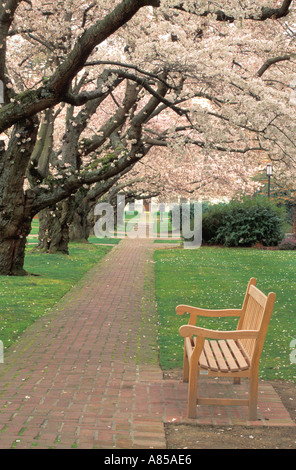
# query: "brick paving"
87,376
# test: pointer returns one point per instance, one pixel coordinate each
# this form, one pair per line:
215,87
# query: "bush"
212,220
244,223
288,243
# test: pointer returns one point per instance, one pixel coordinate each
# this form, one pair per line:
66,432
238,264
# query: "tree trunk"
54,223
12,248
79,228
16,211
15,226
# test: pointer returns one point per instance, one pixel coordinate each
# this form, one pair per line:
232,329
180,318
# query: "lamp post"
269,174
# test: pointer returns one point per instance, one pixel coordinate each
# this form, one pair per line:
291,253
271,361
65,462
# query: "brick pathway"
87,375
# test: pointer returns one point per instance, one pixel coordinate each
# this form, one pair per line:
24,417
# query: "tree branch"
92,5
43,198
31,103
266,12
114,122
130,66
272,61
144,84
82,98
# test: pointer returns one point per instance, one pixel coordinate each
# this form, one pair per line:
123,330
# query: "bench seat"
224,356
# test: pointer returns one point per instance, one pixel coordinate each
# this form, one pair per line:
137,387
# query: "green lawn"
24,299
174,241
217,278
104,241
35,227
160,227
33,237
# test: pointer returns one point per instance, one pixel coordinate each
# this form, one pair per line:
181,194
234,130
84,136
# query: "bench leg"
253,397
236,380
185,366
192,392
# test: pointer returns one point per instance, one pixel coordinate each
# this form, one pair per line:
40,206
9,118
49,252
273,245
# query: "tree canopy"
199,93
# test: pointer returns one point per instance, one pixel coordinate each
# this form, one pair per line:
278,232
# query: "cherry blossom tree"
20,113
179,76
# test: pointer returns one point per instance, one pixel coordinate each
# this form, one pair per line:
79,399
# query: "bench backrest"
257,309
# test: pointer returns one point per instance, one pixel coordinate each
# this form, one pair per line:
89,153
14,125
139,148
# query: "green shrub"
244,223
212,220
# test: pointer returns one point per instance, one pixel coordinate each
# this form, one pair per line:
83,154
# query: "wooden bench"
232,354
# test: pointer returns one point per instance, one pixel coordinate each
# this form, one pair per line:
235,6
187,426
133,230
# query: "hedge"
244,223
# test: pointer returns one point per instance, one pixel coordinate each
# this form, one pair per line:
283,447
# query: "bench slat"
242,363
210,357
258,296
228,356
224,356
219,357
203,361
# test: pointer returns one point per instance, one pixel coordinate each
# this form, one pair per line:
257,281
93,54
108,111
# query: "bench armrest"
195,311
189,330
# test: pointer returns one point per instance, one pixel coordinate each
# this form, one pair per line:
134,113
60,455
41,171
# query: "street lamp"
269,174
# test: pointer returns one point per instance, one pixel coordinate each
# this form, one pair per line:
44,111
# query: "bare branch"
144,84
82,98
272,61
92,5
130,66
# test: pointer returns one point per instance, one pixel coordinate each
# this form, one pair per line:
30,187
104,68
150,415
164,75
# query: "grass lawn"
104,241
24,299
217,278
93,240
35,229
174,241
35,226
